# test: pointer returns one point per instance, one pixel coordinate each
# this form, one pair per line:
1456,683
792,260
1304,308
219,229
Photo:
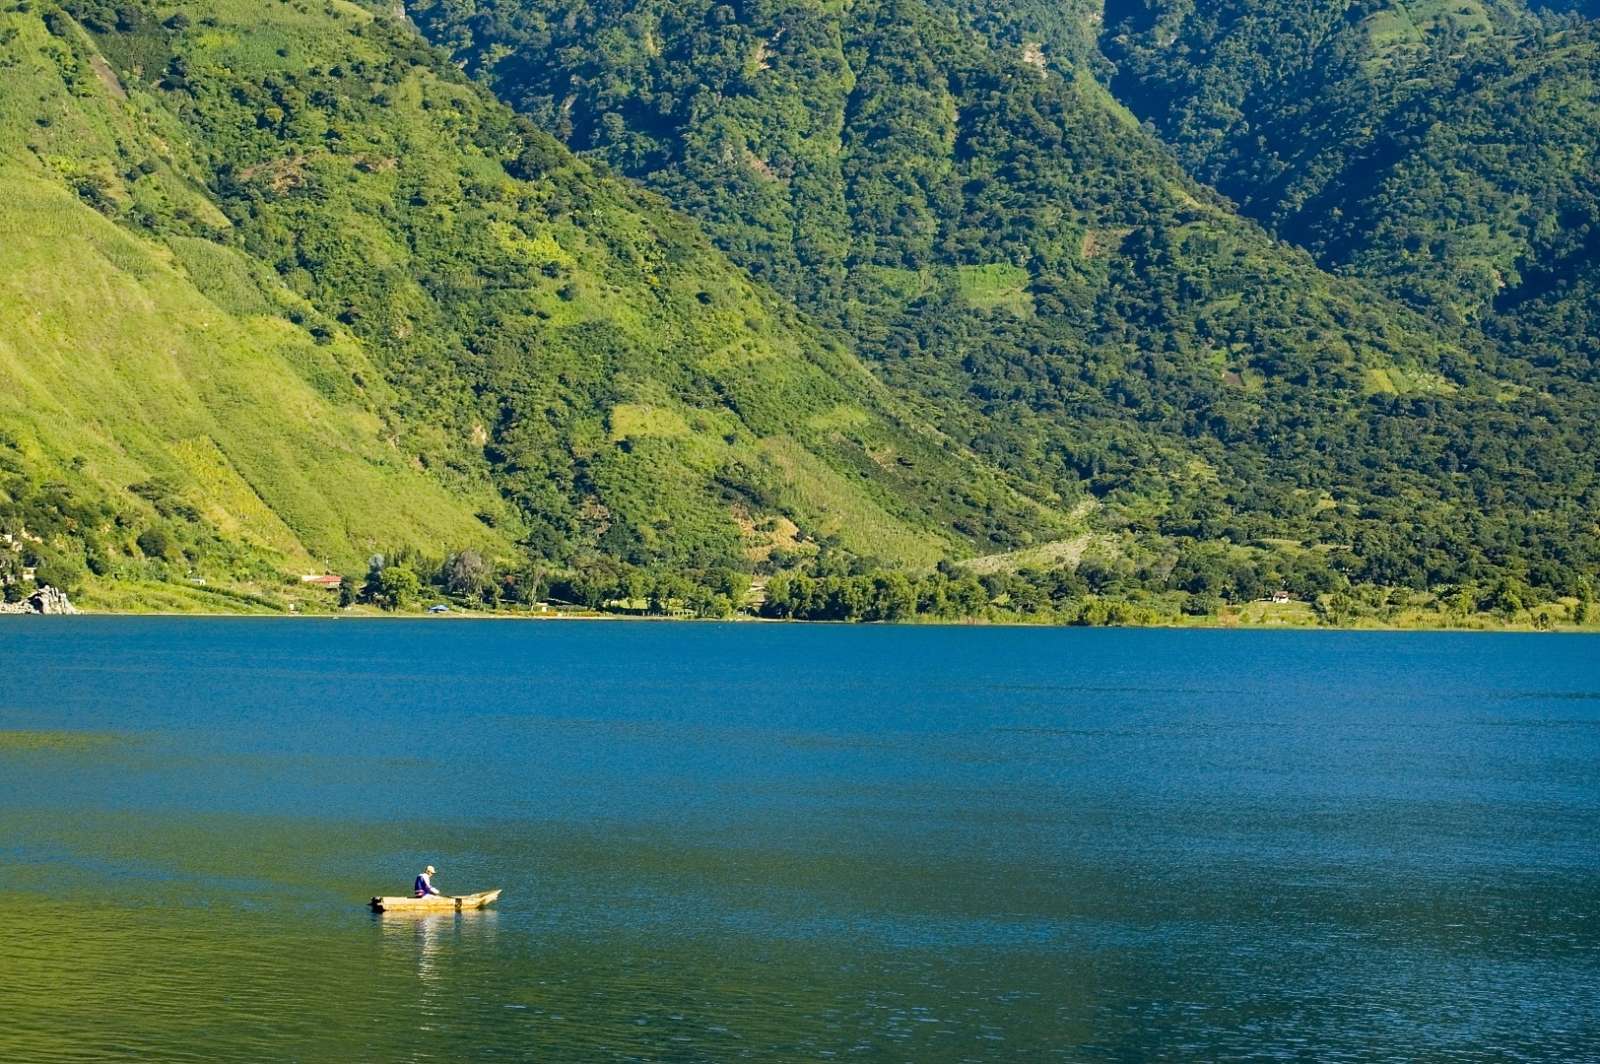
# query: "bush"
156,543
62,574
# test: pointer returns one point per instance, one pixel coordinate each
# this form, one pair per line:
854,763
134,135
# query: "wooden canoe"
434,903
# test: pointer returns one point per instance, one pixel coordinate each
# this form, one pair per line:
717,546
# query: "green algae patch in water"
56,742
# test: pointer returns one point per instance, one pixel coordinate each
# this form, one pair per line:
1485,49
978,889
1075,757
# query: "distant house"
1280,598
329,581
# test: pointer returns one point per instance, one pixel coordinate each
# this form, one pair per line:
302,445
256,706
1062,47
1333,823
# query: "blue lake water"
776,842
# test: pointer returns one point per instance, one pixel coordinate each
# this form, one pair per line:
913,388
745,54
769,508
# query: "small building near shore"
327,581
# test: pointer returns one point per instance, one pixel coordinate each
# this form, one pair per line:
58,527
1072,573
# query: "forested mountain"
1442,151
1588,8
284,289
1163,299
1006,244
1445,153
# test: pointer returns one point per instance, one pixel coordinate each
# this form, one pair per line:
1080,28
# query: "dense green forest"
1448,160
901,308
1009,248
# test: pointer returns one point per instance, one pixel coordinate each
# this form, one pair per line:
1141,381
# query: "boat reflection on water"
432,937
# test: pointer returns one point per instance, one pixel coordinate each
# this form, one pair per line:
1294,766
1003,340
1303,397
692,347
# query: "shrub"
156,542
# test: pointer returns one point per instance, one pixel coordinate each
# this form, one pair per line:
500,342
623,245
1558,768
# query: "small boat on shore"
434,903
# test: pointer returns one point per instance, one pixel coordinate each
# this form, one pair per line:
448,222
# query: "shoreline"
488,615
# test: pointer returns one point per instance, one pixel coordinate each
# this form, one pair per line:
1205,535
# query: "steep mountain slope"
1487,207
160,390
1207,74
1011,248
1439,156
285,288
279,277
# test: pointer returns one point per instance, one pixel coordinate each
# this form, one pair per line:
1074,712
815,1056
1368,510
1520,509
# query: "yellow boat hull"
434,903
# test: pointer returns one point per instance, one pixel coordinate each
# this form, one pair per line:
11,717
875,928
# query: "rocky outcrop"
51,600
46,600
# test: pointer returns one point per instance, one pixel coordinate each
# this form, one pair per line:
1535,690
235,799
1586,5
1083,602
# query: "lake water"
778,843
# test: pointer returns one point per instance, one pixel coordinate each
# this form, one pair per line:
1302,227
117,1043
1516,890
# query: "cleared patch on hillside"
766,534
839,419
1058,554
997,286
840,508
1397,380
637,421
229,503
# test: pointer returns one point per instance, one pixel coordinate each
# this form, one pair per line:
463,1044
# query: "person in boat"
424,885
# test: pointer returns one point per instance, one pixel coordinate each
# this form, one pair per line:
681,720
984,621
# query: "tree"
667,590
894,598
732,584
372,587
525,586
397,586
1584,606
780,601
467,574
1338,609
1509,597
967,598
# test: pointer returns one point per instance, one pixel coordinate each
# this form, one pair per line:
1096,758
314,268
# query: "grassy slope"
114,356
473,329
116,368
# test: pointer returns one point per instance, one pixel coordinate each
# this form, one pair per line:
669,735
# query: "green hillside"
1444,154
118,367
283,285
1025,263
901,306
1221,79
154,386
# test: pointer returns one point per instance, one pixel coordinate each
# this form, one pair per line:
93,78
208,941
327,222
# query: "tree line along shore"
1197,589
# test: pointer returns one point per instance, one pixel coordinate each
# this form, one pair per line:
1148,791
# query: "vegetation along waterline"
946,596
897,311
